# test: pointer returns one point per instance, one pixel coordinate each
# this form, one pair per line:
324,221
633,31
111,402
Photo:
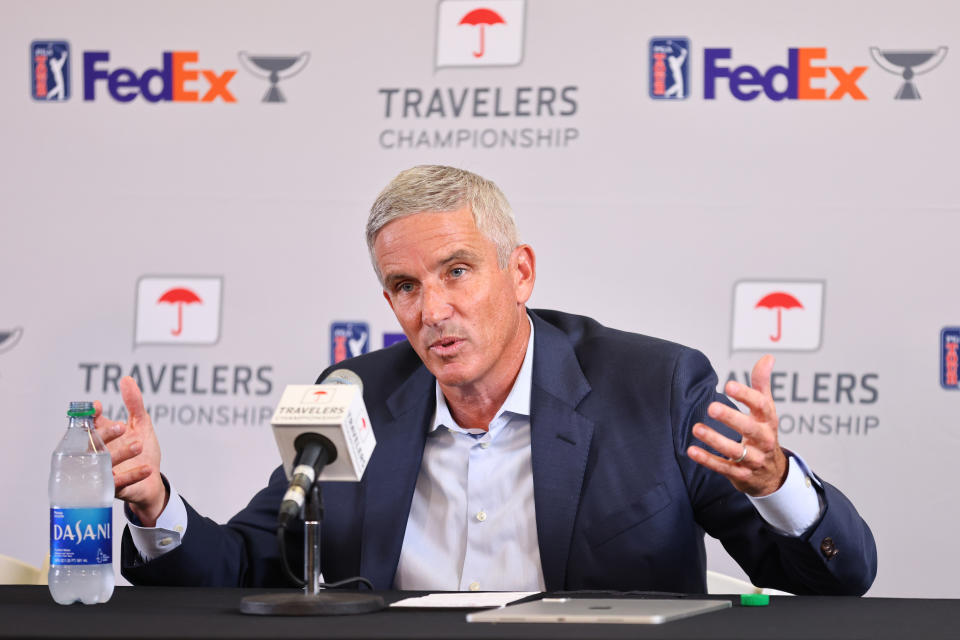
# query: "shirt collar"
517,402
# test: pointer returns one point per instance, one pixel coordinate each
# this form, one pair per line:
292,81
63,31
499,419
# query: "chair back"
13,571
719,583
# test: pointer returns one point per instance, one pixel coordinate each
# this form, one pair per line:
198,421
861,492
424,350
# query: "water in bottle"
81,522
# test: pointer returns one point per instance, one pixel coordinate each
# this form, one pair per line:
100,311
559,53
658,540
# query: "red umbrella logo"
779,301
179,296
320,396
482,18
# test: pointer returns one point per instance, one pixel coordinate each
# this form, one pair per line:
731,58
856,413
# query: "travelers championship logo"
174,310
777,315
788,315
185,387
479,33
460,114
50,70
949,358
348,340
669,68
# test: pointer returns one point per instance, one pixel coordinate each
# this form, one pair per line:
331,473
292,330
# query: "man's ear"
386,296
523,267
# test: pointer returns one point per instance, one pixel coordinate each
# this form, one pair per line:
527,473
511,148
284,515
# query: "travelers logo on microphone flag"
319,394
476,34
777,315
343,420
178,310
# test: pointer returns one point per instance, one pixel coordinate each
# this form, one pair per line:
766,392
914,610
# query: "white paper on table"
463,600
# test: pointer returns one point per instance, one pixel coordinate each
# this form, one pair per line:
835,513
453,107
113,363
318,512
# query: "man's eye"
456,272
405,287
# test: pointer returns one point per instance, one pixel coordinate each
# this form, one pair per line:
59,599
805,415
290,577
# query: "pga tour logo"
777,315
949,358
474,34
669,68
348,340
50,70
178,310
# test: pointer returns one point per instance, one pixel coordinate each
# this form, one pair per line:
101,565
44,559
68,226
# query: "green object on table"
754,600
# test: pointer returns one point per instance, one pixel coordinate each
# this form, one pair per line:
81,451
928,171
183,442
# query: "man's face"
460,311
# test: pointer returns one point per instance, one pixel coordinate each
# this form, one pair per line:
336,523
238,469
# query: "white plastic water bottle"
81,513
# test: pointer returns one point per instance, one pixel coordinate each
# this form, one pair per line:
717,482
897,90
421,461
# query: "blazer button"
828,548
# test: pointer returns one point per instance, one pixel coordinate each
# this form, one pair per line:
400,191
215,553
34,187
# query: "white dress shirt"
472,522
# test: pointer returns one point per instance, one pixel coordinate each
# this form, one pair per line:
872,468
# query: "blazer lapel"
560,442
391,477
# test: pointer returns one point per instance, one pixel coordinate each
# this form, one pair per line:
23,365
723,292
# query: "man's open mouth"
447,345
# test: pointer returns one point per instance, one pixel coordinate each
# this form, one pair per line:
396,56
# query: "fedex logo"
177,80
805,78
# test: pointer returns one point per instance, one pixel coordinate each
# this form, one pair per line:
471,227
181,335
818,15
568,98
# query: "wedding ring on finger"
742,456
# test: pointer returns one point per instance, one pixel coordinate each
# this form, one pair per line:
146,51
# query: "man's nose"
436,307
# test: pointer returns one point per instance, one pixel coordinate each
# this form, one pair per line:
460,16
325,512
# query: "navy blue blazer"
619,505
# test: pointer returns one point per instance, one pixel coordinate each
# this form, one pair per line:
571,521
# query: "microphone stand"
314,600
312,514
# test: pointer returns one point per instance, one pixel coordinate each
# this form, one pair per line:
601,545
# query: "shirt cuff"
795,506
153,542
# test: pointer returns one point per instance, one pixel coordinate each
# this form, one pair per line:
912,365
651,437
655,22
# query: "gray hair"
436,188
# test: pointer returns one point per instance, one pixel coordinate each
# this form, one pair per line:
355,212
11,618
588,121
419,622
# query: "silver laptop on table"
603,611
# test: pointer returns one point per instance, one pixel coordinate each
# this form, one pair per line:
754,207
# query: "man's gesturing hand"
763,468
135,453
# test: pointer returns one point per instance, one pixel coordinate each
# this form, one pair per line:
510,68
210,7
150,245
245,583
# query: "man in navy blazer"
621,492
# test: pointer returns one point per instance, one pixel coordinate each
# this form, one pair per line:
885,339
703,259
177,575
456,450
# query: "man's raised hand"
135,454
756,465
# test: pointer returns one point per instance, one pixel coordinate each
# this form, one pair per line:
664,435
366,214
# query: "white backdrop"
645,214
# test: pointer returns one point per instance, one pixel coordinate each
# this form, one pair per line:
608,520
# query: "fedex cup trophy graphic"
908,64
274,69
9,337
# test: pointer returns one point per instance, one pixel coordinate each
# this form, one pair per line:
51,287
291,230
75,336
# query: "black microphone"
314,452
